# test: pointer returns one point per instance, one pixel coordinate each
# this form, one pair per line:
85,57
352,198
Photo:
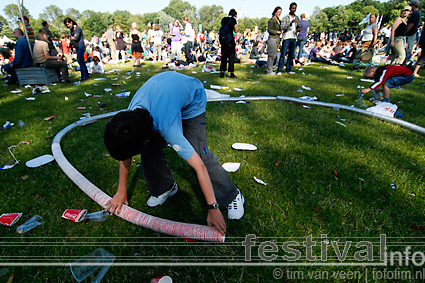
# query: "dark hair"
69,20
232,12
44,23
125,135
96,59
276,9
292,4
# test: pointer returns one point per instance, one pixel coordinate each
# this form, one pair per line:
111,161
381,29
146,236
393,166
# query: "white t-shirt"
187,33
157,36
291,32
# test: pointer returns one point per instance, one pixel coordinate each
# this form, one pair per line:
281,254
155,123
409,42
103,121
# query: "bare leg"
386,91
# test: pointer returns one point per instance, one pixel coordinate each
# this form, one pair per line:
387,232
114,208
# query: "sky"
247,8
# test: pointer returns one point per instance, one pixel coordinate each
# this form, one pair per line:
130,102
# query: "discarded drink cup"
99,216
360,100
88,264
30,224
336,108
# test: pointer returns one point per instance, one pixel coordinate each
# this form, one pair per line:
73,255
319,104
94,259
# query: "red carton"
9,219
75,215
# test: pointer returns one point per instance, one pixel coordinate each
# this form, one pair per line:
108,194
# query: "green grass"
298,151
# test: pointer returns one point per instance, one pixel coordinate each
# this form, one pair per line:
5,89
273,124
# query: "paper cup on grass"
231,166
243,146
39,161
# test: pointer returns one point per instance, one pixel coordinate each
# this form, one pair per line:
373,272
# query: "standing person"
273,28
22,57
421,58
78,36
157,42
187,40
150,39
302,35
398,38
412,28
173,113
136,46
64,41
110,40
369,39
176,46
290,26
227,41
120,44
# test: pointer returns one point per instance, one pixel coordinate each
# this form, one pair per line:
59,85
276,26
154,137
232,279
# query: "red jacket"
387,72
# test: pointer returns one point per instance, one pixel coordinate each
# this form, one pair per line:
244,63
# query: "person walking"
398,38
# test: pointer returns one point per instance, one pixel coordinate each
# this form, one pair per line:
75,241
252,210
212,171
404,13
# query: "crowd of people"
287,41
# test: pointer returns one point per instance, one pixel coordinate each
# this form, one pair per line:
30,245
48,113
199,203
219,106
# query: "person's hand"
115,203
365,90
392,44
215,218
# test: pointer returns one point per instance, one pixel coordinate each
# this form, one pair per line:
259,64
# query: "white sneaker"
235,210
155,201
279,73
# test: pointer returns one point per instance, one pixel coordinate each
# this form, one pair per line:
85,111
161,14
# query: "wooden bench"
36,76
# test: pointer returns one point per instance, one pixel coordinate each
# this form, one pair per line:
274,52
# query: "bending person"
172,113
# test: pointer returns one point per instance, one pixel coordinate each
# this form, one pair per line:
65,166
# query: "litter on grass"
16,91
211,94
367,80
231,166
309,98
100,79
30,224
99,216
339,123
393,186
340,94
167,279
259,181
75,215
305,87
384,108
123,94
40,161
49,118
7,125
31,98
90,263
107,89
244,146
87,94
306,106
12,163
8,219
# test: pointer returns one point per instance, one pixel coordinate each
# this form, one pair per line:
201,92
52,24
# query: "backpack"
224,36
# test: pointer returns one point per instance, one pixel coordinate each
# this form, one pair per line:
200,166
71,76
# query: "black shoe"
222,75
232,76
84,79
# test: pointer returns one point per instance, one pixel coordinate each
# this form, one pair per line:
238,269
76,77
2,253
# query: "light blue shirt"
171,97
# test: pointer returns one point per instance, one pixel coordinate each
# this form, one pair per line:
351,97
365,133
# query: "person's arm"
215,218
120,198
375,35
47,55
393,28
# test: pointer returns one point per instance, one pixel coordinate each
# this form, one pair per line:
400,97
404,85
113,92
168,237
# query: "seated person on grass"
42,57
388,77
170,113
22,57
95,66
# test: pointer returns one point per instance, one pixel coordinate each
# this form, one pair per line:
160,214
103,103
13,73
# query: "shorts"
399,81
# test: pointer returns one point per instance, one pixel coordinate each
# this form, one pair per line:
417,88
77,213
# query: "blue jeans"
80,59
399,81
288,47
300,43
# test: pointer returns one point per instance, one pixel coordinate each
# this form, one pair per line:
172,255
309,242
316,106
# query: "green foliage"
12,13
7,31
208,15
319,20
94,25
179,8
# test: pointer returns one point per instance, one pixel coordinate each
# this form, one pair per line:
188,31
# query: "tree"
95,24
73,14
51,13
7,31
340,20
177,9
319,20
164,21
150,18
208,15
12,13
